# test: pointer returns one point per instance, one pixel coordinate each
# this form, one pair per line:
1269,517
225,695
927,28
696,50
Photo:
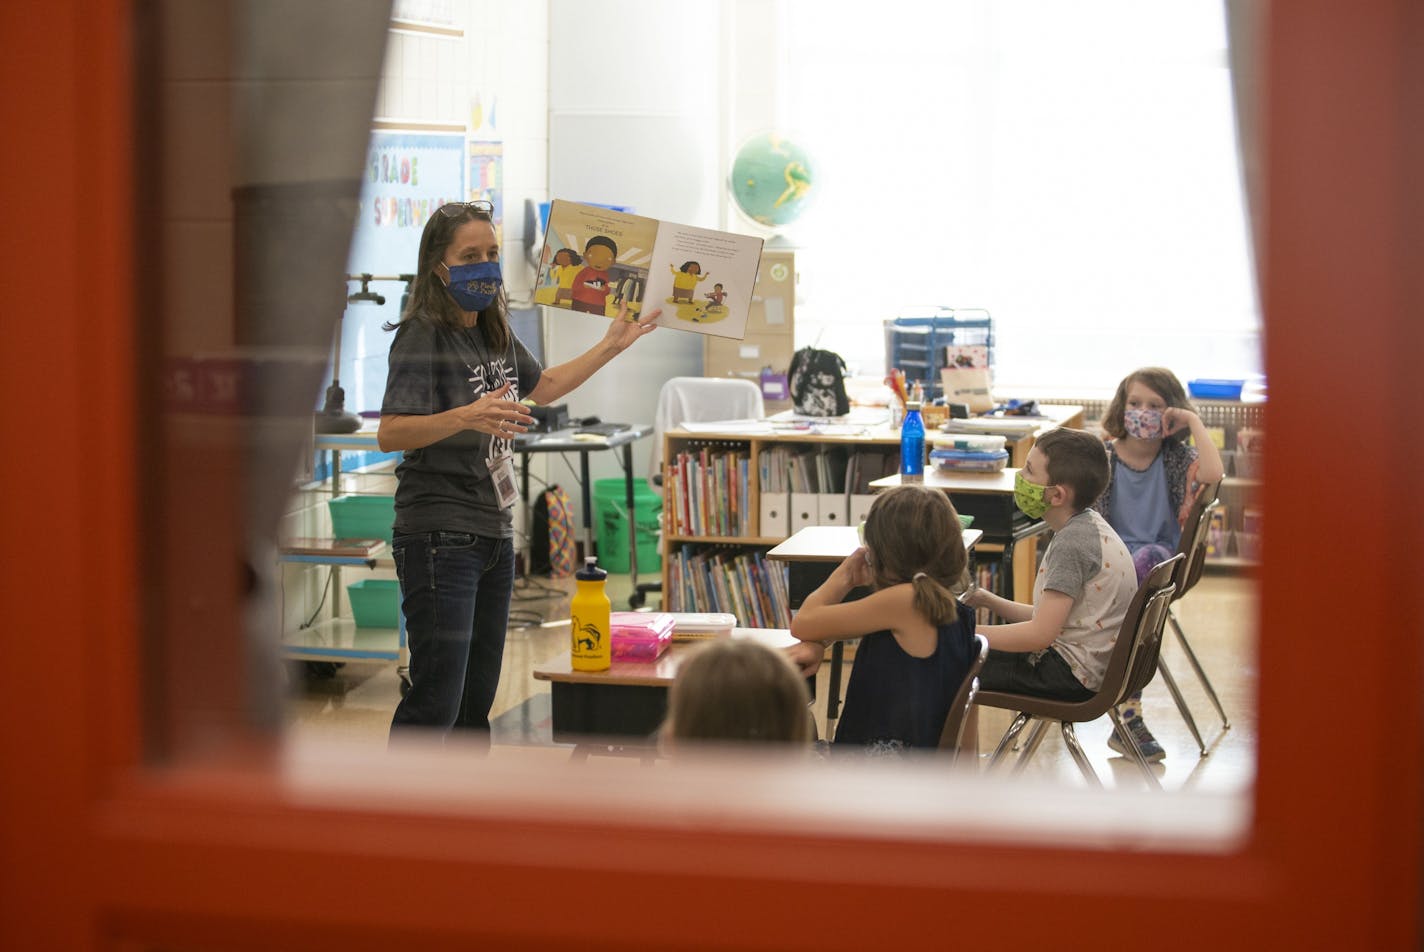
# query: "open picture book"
596,259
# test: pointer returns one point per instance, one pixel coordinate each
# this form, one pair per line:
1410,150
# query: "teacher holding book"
457,374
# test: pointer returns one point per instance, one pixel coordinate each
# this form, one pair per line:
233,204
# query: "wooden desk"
629,700
811,555
989,498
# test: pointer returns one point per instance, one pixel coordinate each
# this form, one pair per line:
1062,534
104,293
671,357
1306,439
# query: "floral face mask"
1142,423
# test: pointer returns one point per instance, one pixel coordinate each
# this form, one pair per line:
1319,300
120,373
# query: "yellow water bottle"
591,613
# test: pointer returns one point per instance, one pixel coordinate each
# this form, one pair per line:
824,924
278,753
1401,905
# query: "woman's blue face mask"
474,286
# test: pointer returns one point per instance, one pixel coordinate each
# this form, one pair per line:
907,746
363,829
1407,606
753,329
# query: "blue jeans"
455,592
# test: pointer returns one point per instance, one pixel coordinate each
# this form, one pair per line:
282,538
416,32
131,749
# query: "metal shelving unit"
915,344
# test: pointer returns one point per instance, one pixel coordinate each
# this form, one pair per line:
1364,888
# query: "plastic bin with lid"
640,636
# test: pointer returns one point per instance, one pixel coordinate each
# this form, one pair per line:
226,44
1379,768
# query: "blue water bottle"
912,445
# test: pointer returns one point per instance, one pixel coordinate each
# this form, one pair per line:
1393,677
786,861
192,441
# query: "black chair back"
952,735
1194,537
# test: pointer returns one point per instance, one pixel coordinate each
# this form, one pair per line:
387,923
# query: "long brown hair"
739,691
430,297
1160,381
913,535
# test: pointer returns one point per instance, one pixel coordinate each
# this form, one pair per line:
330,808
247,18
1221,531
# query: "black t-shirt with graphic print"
433,368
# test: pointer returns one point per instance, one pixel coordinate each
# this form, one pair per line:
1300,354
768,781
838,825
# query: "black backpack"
817,380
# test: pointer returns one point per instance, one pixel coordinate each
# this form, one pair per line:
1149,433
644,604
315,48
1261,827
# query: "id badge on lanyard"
501,470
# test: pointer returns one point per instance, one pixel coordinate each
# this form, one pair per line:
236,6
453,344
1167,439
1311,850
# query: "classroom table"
628,701
570,440
811,554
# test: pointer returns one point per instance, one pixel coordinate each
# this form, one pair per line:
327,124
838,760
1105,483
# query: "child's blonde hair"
913,535
738,691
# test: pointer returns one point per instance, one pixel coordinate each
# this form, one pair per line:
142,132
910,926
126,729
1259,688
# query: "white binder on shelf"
831,509
804,510
859,508
775,515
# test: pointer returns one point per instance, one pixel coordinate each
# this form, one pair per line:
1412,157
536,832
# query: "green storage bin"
375,602
610,507
362,517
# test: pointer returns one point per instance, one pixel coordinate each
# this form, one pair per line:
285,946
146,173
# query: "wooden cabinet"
770,332
730,495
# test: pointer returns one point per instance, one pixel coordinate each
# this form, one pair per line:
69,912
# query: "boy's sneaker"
1151,750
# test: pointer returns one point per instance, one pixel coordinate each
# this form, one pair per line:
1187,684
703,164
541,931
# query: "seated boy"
1058,647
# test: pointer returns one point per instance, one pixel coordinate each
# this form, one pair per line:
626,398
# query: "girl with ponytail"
916,639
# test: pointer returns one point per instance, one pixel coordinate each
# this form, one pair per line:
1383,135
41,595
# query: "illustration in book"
597,259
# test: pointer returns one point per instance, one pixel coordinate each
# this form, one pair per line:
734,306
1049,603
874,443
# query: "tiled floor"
1219,617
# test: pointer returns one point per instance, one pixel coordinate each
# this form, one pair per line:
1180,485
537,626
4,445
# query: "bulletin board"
408,175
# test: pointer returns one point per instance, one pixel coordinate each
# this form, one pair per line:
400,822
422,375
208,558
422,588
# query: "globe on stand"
771,180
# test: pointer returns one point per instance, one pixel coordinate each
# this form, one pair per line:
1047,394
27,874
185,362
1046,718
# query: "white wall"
635,118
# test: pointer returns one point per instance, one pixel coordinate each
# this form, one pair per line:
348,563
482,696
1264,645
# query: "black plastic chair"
1192,549
951,738
1132,664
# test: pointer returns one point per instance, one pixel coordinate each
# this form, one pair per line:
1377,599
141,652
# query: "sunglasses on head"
457,209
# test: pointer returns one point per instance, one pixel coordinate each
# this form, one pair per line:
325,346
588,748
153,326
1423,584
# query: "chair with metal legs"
1130,667
952,737
1192,548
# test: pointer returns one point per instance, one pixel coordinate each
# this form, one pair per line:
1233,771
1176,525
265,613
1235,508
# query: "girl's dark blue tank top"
893,696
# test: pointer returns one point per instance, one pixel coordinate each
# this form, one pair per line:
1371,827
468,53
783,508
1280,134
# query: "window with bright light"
1071,167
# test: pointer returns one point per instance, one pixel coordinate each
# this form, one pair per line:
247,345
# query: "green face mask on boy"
1029,497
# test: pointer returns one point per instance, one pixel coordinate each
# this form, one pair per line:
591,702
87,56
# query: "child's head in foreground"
734,691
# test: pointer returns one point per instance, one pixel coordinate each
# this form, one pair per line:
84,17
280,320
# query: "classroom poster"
408,175
487,178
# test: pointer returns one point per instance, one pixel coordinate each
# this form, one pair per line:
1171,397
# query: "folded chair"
1192,548
1131,665
952,736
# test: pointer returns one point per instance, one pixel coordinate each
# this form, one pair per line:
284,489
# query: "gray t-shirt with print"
1089,563
434,368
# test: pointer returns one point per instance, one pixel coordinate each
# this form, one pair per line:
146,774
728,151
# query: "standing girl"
1155,475
452,404
916,640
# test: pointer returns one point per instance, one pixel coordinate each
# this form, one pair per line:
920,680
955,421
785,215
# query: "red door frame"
100,851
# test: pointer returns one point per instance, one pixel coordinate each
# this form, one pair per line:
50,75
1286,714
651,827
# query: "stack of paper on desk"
1003,426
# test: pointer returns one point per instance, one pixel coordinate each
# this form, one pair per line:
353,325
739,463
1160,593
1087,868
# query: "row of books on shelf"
706,490
824,469
742,582
705,493
987,574
690,512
